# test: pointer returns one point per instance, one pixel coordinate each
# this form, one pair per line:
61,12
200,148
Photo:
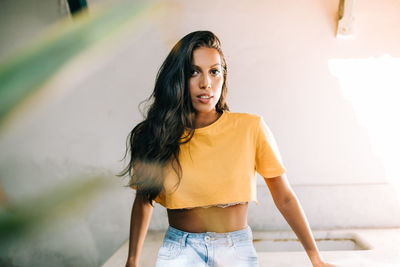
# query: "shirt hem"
207,204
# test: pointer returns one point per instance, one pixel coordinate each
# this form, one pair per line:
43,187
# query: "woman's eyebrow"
216,64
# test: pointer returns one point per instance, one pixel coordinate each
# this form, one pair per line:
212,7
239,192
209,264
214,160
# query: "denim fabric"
209,249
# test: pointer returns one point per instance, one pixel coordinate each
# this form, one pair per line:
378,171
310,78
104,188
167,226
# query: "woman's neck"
204,119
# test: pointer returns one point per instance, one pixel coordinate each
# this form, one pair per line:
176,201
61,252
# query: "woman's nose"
205,82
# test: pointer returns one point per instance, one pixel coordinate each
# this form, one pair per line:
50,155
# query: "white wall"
278,56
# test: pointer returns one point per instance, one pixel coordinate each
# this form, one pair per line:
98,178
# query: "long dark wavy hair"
155,141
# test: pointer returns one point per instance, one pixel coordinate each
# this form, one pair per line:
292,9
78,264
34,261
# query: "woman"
197,159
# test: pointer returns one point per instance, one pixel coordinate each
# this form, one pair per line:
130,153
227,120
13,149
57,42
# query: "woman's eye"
215,71
194,72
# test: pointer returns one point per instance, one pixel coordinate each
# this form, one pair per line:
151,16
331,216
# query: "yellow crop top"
220,162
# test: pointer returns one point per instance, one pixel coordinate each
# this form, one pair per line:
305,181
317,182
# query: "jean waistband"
235,236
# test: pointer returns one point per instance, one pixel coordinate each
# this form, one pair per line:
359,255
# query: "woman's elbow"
285,200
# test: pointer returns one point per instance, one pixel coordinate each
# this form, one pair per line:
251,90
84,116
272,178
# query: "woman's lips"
204,100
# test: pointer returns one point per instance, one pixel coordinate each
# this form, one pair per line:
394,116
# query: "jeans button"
207,238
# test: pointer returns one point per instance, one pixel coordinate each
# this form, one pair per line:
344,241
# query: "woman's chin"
205,109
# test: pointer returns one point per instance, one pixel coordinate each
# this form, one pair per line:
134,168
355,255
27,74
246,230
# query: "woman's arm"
287,203
140,220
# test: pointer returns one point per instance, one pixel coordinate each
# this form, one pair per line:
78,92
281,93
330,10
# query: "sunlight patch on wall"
372,85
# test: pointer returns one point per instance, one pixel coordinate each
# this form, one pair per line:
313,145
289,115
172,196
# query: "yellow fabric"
220,162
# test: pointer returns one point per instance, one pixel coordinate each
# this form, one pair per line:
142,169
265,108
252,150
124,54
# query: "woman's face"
207,78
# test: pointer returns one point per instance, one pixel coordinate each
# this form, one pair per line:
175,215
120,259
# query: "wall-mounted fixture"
345,26
76,6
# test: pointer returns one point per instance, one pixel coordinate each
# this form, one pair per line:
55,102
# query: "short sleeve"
268,159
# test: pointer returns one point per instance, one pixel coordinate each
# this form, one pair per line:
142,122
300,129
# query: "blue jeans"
209,249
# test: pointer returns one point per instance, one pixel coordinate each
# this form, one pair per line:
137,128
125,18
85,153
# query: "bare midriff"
212,219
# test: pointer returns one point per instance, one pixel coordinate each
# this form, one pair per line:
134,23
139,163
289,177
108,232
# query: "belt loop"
230,240
250,232
183,241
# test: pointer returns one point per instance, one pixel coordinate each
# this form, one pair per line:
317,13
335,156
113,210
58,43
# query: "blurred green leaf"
63,200
21,75
24,73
